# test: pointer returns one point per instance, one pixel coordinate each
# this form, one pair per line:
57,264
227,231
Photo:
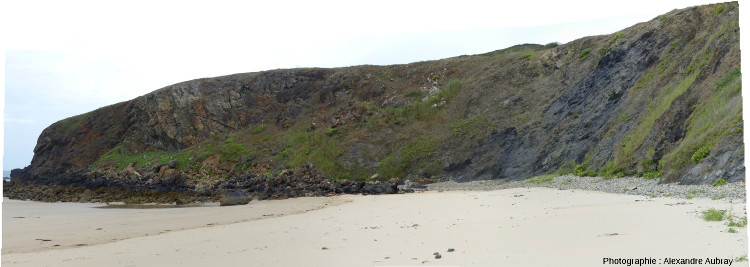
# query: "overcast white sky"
64,58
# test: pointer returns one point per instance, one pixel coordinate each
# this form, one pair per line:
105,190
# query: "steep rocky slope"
659,99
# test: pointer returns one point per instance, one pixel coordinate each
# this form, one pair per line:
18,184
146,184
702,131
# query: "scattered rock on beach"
624,185
609,234
234,198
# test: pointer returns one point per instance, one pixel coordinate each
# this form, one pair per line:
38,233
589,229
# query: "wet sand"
512,227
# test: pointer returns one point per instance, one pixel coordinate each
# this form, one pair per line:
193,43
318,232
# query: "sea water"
6,176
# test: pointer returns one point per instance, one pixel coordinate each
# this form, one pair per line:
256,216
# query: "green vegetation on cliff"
656,100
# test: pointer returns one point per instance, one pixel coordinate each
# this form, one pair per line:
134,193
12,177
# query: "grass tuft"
583,170
584,54
472,127
741,223
714,215
701,154
541,179
728,78
651,174
614,38
719,182
567,167
234,152
259,129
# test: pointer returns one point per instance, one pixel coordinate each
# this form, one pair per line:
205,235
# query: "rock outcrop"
641,101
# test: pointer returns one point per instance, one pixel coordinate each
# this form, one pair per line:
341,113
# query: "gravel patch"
624,185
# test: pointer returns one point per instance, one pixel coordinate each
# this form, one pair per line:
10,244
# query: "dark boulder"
234,198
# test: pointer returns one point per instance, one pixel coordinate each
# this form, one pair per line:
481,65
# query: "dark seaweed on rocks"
136,188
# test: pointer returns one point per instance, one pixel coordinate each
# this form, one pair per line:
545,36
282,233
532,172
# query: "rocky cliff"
659,99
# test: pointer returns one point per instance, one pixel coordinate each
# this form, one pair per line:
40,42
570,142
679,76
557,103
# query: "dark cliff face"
660,98
76,142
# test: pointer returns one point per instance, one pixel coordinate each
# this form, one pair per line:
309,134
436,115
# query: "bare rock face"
631,102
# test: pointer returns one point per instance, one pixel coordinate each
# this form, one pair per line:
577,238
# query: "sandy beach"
511,227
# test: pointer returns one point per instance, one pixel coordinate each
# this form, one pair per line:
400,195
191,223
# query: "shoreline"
33,226
625,185
517,226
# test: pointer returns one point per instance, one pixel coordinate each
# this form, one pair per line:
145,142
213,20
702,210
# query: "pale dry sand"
513,227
